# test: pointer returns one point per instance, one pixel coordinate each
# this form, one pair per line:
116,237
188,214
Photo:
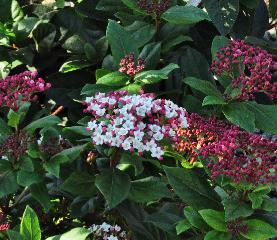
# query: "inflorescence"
138,123
249,68
129,67
106,231
21,88
4,225
230,151
152,6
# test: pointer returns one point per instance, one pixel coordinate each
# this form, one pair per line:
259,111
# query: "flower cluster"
249,68
15,145
4,225
21,87
106,231
237,227
242,156
129,67
200,132
138,123
152,6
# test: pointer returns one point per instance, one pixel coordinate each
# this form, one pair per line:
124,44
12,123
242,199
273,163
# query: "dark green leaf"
269,204
258,195
195,219
80,184
182,226
148,189
133,160
214,219
44,122
192,188
40,193
8,182
185,15
218,42
114,185
273,8
213,100
90,52
4,128
26,178
151,55
121,41
13,235
10,11
238,114
235,209
212,235
223,13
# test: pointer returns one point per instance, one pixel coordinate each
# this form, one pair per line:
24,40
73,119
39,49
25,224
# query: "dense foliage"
138,119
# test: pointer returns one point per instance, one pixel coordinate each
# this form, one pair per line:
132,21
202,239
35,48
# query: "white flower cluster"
134,122
106,231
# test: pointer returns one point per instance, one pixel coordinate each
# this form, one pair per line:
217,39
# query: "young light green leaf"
216,235
73,234
114,79
213,100
29,226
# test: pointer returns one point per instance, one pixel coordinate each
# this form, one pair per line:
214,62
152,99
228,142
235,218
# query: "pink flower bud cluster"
4,225
138,123
15,145
129,67
21,87
200,132
243,157
237,227
249,67
106,231
151,6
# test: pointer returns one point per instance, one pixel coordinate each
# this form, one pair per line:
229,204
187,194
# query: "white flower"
94,228
100,112
157,152
141,111
172,133
138,135
141,126
105,227
155,128
112,238
117,228
128,125
122,131
158,136
92,125
126,145
118,121
98,139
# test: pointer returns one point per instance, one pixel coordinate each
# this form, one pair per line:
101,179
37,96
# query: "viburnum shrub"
135,123
4,225
21,87
249,68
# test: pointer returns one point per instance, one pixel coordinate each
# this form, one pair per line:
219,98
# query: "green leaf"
192,188
114,79
74,44
90,52
81,130
235,209
26,178
166,218
121,41
44,35
74,234
218,42
133,4
80,184
65,156
223,13
29,226
259,230
74,65
214,219
4,129
269,204
91,89
239,114
114,185
195,219
44,122
213,234
13,118
203,86
151,54
10,11
185,15
148,189
265,116
182,226
133,160
13,235
174,42
143,33
213,100
273,8
8,182
40,193
154,76
258,195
